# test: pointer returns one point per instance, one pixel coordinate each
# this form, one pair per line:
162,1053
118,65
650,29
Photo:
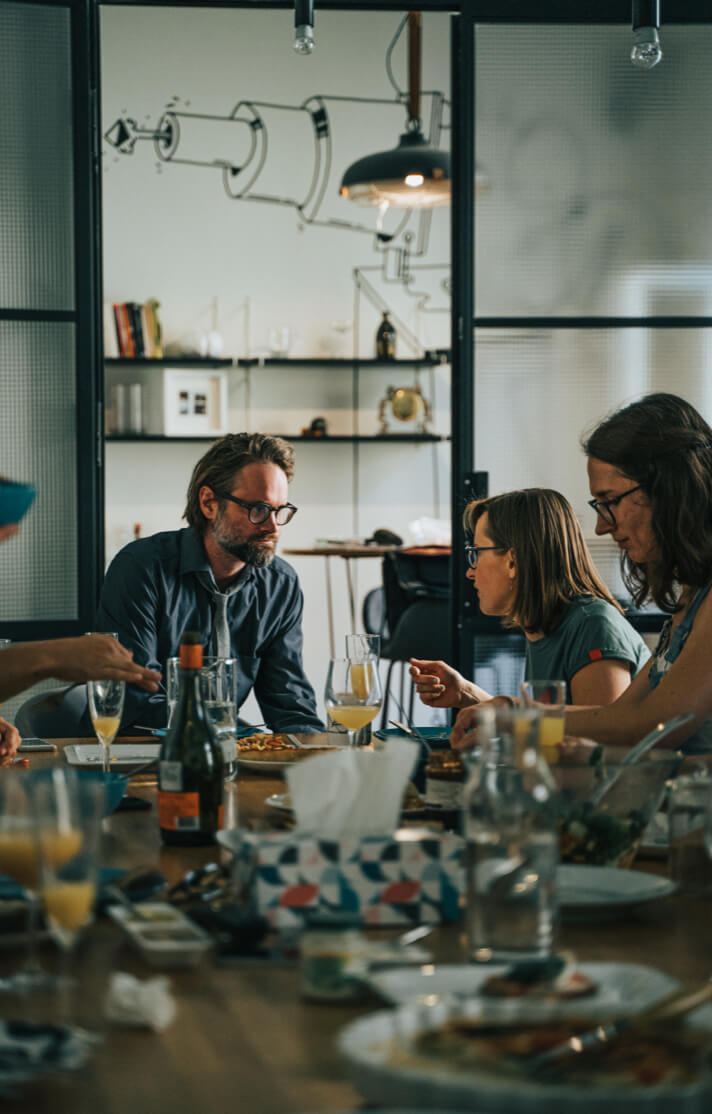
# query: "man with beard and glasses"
219,576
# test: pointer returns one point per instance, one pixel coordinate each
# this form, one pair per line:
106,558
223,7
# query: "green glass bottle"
190,767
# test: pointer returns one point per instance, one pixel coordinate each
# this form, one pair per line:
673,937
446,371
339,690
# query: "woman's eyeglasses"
472,552
602,507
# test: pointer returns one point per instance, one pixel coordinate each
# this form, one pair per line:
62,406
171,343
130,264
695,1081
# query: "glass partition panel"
39,567
36,163
599,174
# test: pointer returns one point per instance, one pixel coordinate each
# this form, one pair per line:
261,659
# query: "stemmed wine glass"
21,837
106,703
67,808
353,693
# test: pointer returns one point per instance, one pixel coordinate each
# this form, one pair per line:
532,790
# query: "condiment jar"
444,779
333,951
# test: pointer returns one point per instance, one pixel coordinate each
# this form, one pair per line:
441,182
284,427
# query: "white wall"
171,232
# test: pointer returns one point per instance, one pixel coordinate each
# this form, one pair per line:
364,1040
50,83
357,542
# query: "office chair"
58,713
416,593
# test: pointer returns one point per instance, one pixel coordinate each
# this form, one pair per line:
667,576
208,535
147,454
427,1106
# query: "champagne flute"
106,703
21,835
69,865
353,693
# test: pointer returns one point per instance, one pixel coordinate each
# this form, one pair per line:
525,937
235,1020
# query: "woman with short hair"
530,564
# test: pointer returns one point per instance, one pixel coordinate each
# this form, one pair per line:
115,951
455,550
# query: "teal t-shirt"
591,630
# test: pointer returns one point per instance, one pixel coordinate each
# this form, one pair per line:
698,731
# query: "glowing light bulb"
646,51
304,39
414,180
304,26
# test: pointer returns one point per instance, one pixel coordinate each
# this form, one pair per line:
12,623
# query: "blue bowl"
15,500
114,784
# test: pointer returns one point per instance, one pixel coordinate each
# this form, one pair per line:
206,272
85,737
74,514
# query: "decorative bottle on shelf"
190,769
511,840
386,339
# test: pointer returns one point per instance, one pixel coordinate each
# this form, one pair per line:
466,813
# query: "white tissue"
131,1001
351,792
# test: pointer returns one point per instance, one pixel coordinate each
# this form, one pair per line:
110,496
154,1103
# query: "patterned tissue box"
410,877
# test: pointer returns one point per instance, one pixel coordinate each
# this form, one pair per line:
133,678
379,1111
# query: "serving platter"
386,1069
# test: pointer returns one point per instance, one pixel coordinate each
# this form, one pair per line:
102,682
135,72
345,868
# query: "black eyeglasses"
603,507
472,552
260,512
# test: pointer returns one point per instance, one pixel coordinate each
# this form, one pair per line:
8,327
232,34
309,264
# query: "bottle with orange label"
190,769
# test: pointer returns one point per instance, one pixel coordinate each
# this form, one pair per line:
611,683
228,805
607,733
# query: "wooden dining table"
243,1037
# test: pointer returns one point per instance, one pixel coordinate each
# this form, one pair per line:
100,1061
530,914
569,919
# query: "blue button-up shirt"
152,593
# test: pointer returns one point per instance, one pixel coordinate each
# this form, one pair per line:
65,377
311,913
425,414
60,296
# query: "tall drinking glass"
361,649
353,694
106,703
21,837
550,698
69,879
218,684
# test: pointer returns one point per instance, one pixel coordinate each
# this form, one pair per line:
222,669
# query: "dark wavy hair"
224,459
665,445
554,565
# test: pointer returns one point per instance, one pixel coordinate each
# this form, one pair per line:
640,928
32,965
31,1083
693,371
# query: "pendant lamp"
412,175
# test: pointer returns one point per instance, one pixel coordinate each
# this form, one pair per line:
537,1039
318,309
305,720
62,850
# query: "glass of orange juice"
69,822
353,694
106,703
362,649
550,698
23,841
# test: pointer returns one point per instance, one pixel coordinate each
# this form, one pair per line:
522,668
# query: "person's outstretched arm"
440,686
88,657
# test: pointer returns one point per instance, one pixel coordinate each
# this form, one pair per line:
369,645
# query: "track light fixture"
646,51
304,26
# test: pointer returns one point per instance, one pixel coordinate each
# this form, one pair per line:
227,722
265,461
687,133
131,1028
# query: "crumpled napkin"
351,792
132,1001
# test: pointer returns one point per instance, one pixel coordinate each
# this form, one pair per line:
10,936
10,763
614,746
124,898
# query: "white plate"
267,766
122,754
277,801
375,1048
617,983
592,887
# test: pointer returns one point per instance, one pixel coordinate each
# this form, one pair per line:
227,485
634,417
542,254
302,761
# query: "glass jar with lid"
333,953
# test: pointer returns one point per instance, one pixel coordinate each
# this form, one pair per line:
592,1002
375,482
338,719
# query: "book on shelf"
136,332
111,344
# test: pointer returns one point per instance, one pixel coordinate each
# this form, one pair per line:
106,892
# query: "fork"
673,1005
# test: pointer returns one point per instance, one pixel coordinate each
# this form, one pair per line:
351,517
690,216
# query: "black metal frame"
86,317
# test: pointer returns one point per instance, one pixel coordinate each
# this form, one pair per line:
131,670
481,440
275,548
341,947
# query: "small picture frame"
195,402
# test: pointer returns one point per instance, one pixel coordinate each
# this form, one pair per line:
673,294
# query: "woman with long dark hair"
650,475
530,564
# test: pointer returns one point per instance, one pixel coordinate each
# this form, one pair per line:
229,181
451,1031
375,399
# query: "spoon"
659,732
